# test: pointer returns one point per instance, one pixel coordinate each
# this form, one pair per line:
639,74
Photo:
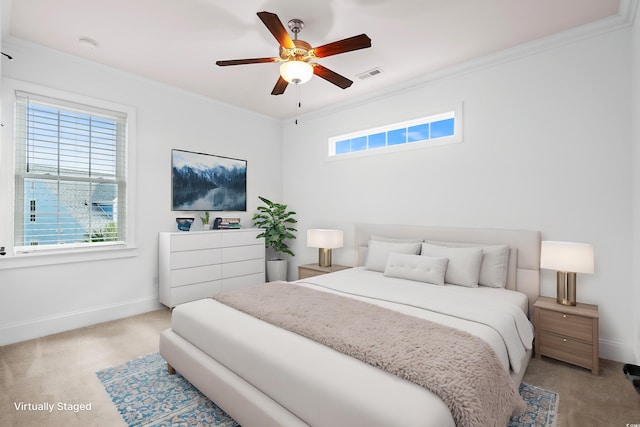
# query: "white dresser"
195,265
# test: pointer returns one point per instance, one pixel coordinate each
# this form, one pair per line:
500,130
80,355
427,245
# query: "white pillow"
416,267
464,263
495,262
495,265
395,239
378,253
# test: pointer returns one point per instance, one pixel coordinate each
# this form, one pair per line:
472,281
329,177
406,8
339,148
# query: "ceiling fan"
296,55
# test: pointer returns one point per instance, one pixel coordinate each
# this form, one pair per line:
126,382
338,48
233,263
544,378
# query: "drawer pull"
564,339
564,316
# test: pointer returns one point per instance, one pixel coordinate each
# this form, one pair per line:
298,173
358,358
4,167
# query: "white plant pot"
276,270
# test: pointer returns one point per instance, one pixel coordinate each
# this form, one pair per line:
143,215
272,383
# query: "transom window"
71,180
433,130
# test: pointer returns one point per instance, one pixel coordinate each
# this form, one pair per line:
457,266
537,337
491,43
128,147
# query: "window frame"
44,255
444,113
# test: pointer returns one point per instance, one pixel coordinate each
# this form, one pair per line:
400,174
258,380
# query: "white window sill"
36,259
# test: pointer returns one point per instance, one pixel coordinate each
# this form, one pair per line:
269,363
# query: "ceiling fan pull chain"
299,103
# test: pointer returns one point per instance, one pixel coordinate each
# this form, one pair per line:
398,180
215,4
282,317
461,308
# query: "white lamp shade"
323,238
567,256
297,72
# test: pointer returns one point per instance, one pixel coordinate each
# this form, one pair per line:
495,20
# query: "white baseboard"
40,327
617,350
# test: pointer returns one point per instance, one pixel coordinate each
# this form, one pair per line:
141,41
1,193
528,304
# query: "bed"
264,375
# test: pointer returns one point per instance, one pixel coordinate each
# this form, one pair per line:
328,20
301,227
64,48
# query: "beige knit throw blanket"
458,367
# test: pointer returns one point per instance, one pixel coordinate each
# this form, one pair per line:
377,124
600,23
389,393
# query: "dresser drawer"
241,238
242,268
567,325
195,241
188,259
188,276
242,281
566,349
242,253
195,291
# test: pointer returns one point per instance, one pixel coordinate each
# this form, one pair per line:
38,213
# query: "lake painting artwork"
204,182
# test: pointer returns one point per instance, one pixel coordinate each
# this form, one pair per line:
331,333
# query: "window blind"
70,174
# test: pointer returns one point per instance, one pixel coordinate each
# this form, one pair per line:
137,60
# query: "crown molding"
623,19
17,47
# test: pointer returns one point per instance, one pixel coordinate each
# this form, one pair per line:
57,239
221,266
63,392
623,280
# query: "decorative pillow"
495,262
416,267
464,263
378,253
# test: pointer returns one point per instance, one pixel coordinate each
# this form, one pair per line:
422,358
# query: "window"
70,175
444,128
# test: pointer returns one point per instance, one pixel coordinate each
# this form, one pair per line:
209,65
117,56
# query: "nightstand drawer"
304,273
566,349
312,270
567,325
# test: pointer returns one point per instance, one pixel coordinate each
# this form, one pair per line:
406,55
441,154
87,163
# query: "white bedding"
509,331
319,385
322,386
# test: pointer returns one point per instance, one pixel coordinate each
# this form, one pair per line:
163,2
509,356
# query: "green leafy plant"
277,223
108,233
205,218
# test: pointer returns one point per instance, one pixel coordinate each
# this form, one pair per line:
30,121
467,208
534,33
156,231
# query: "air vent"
370,73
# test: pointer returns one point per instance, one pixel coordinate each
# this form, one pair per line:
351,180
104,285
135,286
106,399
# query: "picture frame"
207,182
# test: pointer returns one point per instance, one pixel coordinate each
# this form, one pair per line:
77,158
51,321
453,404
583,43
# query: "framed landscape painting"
205,182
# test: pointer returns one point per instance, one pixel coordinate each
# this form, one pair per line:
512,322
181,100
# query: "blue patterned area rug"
146,395
542,408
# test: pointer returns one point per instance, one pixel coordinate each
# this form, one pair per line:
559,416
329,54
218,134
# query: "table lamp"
567,258
324,240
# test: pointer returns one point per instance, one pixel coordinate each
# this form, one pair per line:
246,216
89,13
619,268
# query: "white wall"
547,141
37,301
635,108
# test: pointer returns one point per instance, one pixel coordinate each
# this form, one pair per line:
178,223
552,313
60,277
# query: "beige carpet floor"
60,370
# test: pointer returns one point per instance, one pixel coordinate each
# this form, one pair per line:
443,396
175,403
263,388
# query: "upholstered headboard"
524,248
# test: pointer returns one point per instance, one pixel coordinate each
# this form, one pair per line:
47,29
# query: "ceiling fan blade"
245,61
341,46
273,24
331,76
280,87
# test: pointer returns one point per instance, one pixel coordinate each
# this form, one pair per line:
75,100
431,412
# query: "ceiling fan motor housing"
301,52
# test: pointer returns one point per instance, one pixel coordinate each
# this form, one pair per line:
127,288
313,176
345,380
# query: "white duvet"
499,309
323,387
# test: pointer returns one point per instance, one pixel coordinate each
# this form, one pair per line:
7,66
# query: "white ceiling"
178,41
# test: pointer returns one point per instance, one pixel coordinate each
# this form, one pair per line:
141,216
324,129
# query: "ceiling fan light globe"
296,72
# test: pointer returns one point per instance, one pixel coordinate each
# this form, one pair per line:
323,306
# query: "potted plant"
277,222
205,221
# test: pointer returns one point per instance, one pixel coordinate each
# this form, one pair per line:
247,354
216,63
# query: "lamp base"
566,294
324,257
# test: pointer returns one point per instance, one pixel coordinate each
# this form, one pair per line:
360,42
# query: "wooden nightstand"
310,270
567,333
